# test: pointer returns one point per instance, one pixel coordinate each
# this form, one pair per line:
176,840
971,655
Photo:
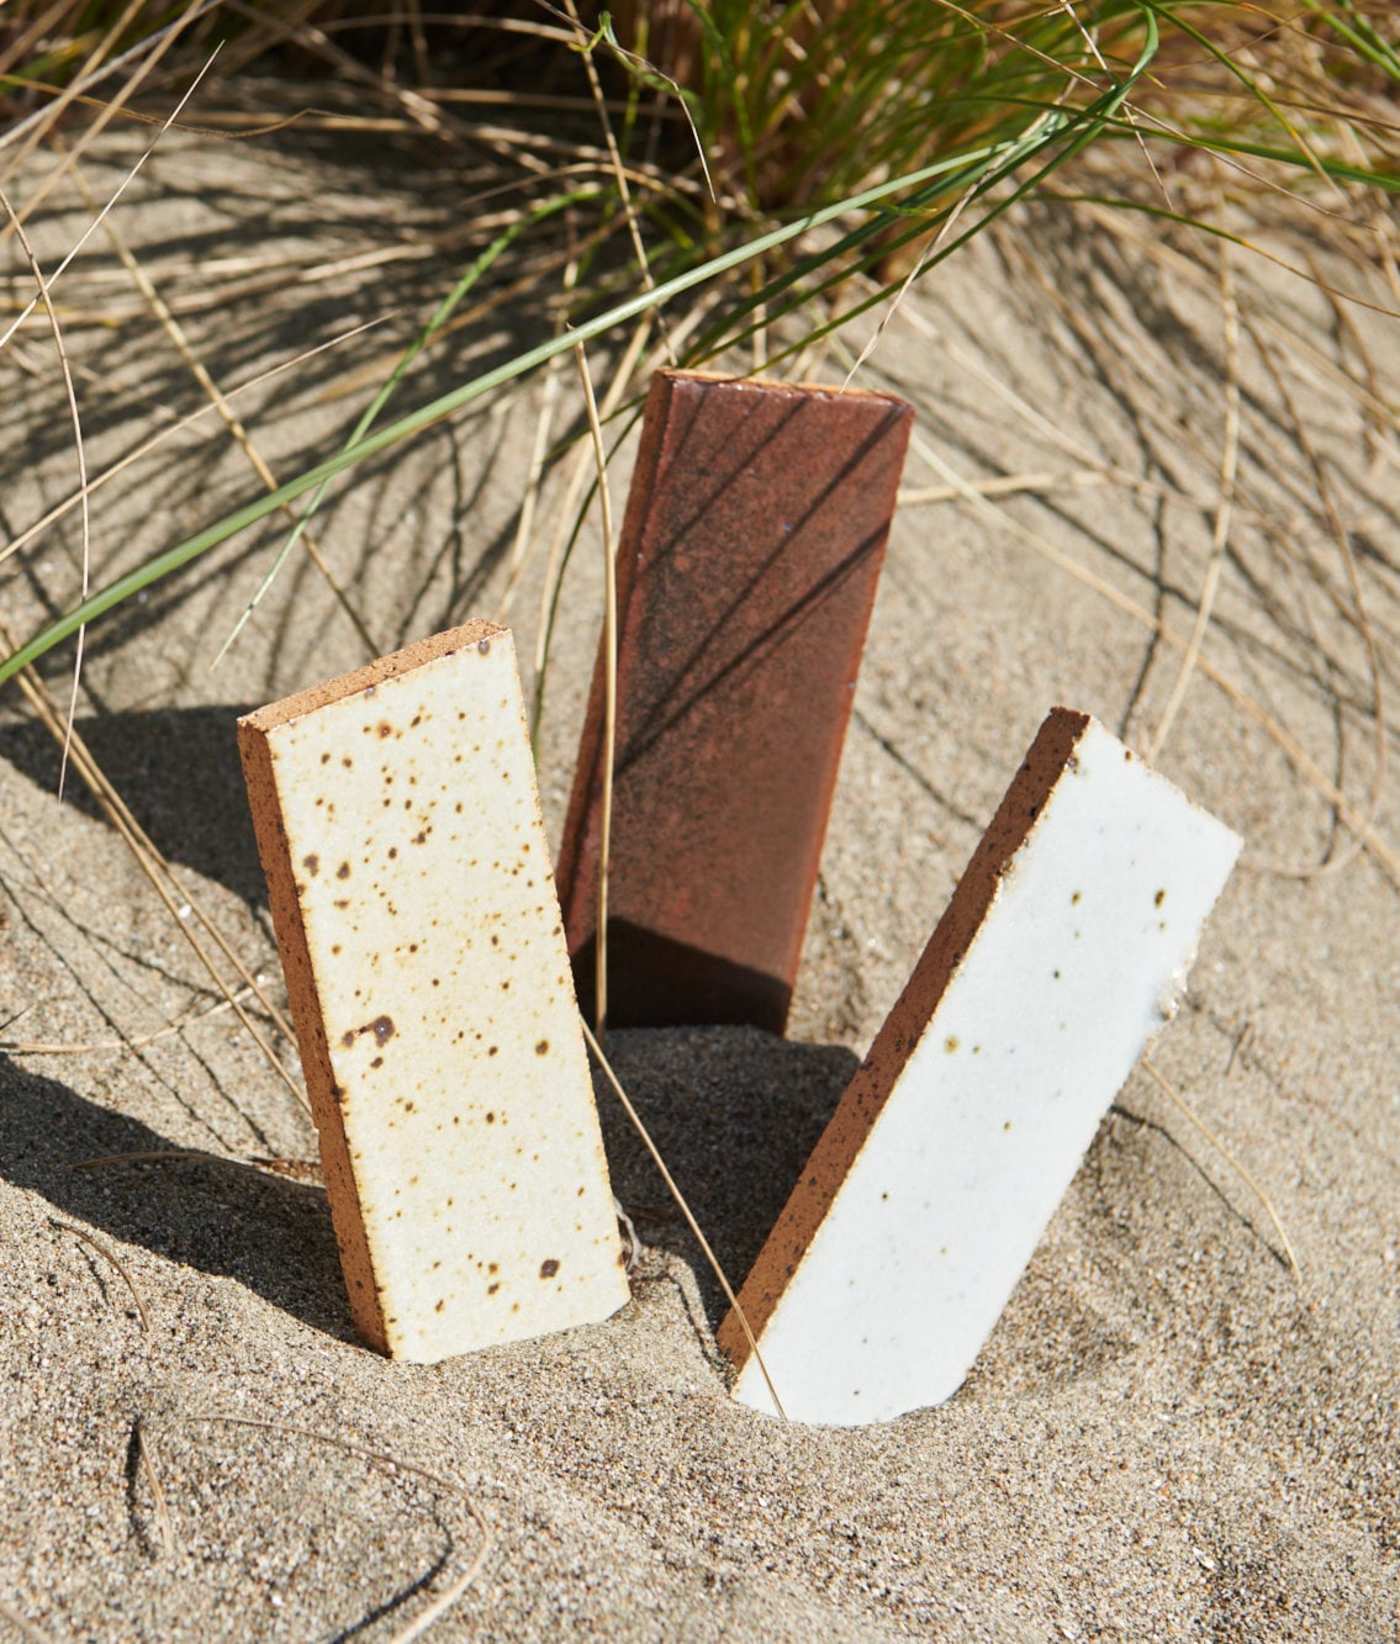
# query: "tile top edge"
766,385
372,674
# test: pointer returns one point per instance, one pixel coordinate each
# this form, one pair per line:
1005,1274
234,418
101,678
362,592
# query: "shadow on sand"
734,1111
271,1234
177,769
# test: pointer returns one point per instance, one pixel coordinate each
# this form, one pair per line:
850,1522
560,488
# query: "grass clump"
844,148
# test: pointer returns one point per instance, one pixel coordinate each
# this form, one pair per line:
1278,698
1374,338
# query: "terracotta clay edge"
1050,755
373,673
762,385
273,851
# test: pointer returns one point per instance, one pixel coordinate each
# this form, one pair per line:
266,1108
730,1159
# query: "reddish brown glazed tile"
747,569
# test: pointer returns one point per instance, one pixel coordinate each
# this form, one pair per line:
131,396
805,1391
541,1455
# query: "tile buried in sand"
753,540
1063,951
408,873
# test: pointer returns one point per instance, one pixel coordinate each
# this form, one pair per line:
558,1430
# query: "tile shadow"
735,1112
271,1234
177,769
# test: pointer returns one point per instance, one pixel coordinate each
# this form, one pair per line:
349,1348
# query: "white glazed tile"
1061,956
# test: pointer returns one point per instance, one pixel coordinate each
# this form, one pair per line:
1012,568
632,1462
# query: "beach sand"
1168,1434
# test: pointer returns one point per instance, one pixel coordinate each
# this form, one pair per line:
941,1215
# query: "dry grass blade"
139,1041
920,263
685,1210
21,44
44,297
758,352
1128,114
573,490
439,1607
157,871
92,76
1057,436
595,429
1299,347
1184,1108
544,423
637,66
1298,270
444,1602
58,511
46,118
183,347
1307,767
1220,538
116,195
1132,114
634,228
567,518
146,1450
519,550
113,1260
506,146
1363,827
218,124
1342,538
56,175
1008,485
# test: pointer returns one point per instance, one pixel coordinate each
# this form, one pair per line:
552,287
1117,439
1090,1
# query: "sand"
1168,1436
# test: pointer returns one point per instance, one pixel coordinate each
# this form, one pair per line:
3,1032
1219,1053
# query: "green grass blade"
440,316
414,422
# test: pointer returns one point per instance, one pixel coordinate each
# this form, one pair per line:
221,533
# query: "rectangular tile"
1064,950
747,567
408,874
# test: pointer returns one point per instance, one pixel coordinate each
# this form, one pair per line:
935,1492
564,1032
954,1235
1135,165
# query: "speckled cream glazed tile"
408,872
1063,951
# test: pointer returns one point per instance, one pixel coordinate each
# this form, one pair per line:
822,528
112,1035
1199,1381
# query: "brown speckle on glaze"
383,1029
